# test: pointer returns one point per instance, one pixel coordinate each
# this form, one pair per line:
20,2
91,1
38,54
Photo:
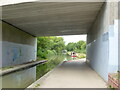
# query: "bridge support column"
18,47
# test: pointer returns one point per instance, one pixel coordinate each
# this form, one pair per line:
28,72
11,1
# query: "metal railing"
21,67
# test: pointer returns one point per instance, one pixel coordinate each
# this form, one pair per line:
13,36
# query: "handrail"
21,67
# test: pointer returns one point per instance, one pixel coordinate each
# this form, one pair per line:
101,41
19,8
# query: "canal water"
23,79
53,61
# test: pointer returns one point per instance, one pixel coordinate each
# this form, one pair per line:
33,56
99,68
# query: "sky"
74,38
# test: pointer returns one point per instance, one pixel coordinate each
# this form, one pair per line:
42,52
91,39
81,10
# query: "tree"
46,45
79,47
71,46
58,44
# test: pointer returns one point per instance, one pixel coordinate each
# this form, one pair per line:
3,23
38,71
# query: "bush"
81,55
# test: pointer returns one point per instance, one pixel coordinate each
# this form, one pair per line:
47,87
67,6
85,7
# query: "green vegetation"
37,85
5,68
50,48
81,55
112,88
53,61
49,45
79,47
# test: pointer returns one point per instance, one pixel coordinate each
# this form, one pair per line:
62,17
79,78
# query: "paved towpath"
71,74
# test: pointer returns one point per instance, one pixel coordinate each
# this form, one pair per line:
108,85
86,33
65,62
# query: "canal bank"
52,62
71,74
14,79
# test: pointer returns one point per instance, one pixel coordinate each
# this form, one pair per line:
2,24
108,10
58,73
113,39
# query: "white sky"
73,38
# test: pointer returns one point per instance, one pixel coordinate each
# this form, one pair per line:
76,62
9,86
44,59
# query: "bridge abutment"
18,47
102,41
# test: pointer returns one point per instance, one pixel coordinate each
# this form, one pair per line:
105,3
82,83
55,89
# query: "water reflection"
20,79
53,61
23,79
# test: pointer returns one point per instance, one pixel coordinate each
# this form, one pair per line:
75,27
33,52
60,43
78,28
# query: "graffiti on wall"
14,53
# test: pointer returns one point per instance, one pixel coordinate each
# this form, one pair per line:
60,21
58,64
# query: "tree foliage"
55,45
79,47
49,45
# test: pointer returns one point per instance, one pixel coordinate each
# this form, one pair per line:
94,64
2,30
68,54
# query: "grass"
81,55
112,88
5,68
37,85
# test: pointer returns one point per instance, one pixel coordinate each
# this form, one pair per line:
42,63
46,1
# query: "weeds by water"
5,68
37,85
53,61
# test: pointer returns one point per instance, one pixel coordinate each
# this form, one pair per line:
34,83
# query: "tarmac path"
71,74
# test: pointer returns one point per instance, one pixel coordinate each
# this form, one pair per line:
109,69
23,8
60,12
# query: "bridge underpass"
23,22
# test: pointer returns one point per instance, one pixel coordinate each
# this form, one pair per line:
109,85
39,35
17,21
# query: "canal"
53,61
23,79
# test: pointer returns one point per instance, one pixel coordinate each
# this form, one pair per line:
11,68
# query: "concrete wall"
97,55
0,44
0,52
21,79
17,47
100,26
119,45
113,37
99,42
119,36
113,47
